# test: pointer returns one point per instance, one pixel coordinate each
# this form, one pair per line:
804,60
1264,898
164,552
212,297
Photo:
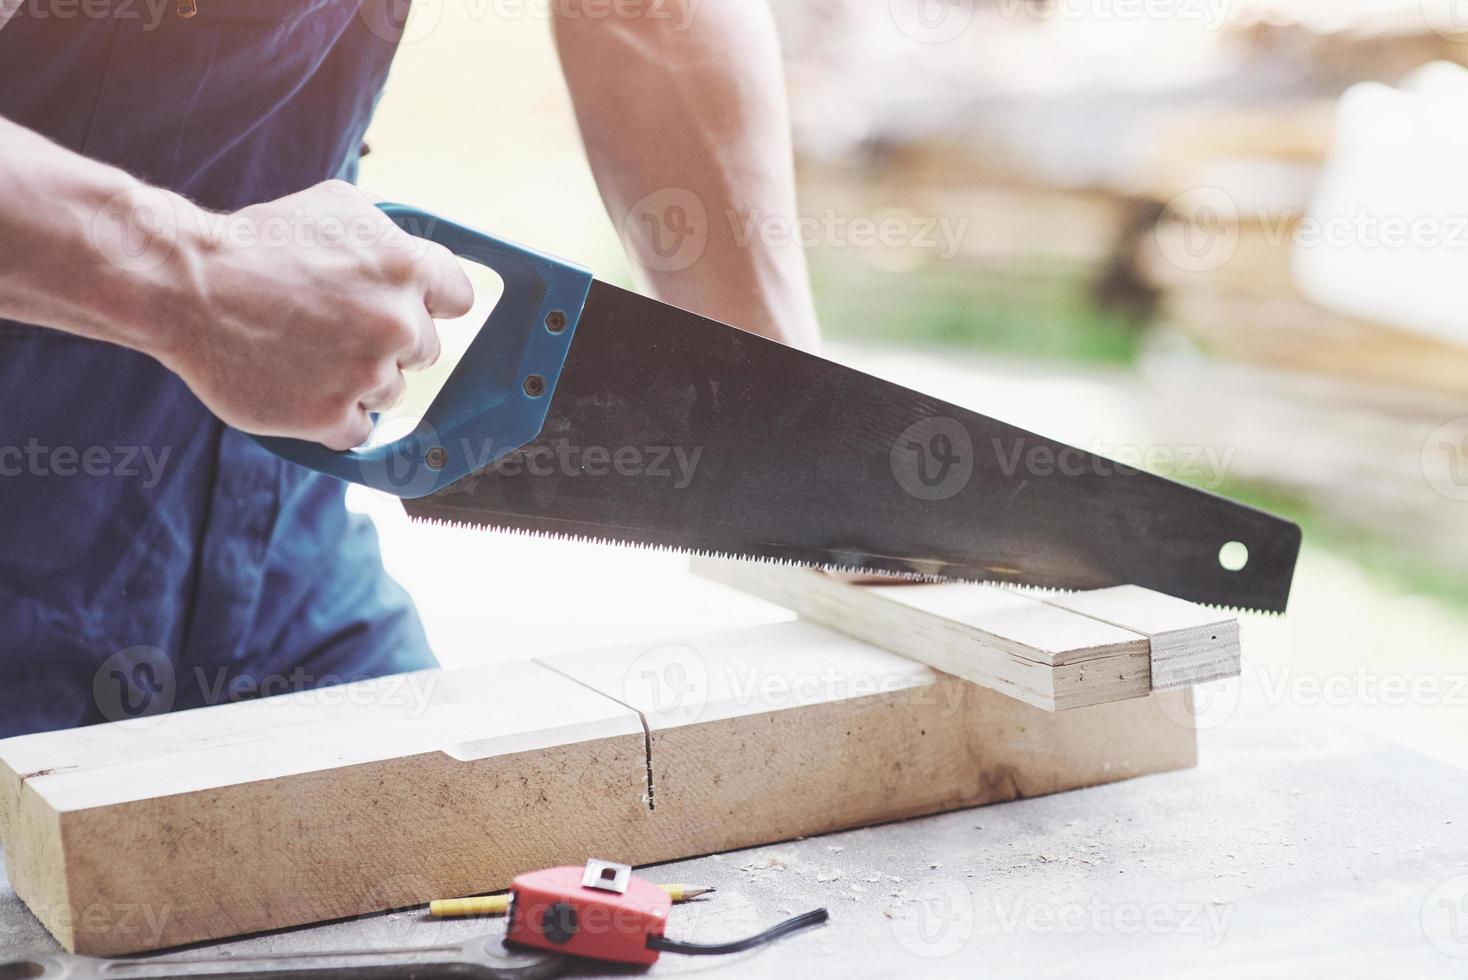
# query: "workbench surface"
1299,847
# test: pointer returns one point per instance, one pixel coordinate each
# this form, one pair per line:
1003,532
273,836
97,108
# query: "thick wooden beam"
252,816
259,815
792,729
1056,651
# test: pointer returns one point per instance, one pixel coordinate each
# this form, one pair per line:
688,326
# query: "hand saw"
584,410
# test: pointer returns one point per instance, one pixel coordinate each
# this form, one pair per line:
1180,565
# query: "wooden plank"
1190,644
271,813
1291,333
1030,649
262,814
792,729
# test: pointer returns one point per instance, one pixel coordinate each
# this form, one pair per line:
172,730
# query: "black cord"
811,918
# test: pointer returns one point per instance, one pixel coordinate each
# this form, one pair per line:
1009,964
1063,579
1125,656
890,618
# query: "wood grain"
792,729
1189,644
1057,652
262,814
239,818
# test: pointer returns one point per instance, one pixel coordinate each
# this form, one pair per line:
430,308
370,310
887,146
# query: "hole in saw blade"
1233,556
454,336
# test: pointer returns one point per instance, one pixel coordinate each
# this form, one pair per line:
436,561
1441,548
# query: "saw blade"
667,429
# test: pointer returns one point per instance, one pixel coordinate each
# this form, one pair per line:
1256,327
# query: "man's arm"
682,108
293,317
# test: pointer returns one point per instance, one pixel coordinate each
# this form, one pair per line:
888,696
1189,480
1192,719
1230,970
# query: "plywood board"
1019,644
1189,644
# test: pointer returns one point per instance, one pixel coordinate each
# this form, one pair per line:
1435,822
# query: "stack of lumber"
158,831
1055,650
1056,180
1222,254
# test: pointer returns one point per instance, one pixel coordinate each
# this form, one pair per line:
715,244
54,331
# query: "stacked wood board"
1053,650
238,818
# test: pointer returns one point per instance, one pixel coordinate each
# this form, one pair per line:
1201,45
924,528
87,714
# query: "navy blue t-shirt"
151,557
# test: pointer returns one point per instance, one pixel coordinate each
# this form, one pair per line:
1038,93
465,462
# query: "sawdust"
766,863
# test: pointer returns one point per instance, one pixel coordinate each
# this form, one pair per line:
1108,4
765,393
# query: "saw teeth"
539,533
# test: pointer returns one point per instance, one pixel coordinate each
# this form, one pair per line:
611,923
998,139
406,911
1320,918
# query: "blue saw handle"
496,399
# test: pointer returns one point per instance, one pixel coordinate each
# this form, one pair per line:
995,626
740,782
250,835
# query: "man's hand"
306,312
291,318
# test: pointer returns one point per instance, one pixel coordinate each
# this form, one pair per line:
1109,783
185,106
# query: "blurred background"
1225,240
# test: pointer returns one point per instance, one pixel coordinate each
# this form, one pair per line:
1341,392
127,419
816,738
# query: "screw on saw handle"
496,399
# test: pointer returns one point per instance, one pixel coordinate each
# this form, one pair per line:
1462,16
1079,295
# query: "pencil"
453,908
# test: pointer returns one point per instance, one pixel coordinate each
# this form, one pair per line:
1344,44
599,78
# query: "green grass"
1043,310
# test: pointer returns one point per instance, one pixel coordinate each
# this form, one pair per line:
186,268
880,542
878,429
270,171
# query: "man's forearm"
294,317
77,251
682,108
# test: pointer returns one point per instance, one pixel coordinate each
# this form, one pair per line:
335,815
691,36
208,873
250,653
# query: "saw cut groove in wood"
792,729
1057,651
252,816
227,820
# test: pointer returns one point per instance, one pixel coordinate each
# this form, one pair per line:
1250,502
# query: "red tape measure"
604,912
